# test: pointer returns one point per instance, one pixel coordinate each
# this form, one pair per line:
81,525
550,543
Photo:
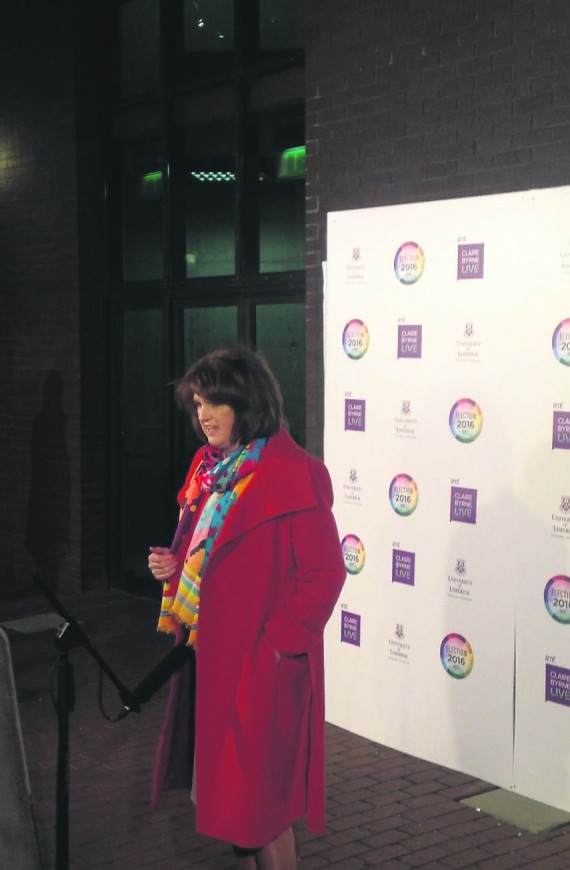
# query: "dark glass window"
208,26
279,120
208,47
281,25
142,192
280,337
144,410
209,182
140,46
206,329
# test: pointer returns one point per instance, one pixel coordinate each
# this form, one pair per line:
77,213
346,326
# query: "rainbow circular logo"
355,339
561,342
403,494
456,656
557,598
465,420
353,554
409,263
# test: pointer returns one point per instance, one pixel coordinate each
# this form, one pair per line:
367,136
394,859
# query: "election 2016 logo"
355,339
409,263
456,656
353,553
465,420
561,342
404,495
557,598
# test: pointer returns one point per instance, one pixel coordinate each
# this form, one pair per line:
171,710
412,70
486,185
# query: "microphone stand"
70,635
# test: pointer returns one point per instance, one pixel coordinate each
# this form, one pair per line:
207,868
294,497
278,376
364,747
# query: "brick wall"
413,100
42,468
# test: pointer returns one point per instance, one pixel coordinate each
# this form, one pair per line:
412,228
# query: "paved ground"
385,809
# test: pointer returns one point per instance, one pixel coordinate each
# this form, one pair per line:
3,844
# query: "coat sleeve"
297,626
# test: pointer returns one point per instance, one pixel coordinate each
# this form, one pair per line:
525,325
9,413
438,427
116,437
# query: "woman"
251,579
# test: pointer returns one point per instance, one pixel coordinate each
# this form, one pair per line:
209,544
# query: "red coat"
271,583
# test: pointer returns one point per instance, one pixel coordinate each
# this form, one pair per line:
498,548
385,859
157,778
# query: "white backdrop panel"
449,575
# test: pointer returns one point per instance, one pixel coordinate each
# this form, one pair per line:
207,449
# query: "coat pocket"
256,695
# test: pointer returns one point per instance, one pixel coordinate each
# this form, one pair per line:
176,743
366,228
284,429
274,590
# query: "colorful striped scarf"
215,487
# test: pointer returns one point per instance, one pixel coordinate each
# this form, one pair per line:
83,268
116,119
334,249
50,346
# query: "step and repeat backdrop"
447,435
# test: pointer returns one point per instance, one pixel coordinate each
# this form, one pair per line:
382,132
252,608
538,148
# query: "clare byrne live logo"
409,341
463,504
403,567
350,628
470,260
354,414
560,428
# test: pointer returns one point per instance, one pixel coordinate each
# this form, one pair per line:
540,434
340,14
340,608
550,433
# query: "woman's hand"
161,563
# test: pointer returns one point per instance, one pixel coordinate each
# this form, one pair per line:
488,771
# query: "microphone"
171,662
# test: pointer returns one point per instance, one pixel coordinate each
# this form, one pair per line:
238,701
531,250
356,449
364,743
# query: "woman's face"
217,422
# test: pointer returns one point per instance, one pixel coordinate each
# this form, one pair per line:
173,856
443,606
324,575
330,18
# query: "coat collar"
281,485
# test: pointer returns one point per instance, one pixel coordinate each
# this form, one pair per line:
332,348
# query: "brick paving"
385,809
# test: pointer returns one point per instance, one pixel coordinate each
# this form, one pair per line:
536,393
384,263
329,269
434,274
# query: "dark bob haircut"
238,377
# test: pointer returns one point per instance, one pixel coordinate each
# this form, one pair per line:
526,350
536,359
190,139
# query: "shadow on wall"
48,532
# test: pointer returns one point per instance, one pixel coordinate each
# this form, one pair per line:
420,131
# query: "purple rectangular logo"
561,430
557,687
350,628
355,414
403,567
470,261
463,508
409,342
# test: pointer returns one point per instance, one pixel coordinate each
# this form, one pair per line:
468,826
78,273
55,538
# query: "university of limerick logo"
352,475
399,631
356,254
565,504
406,406
460,567
469,330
